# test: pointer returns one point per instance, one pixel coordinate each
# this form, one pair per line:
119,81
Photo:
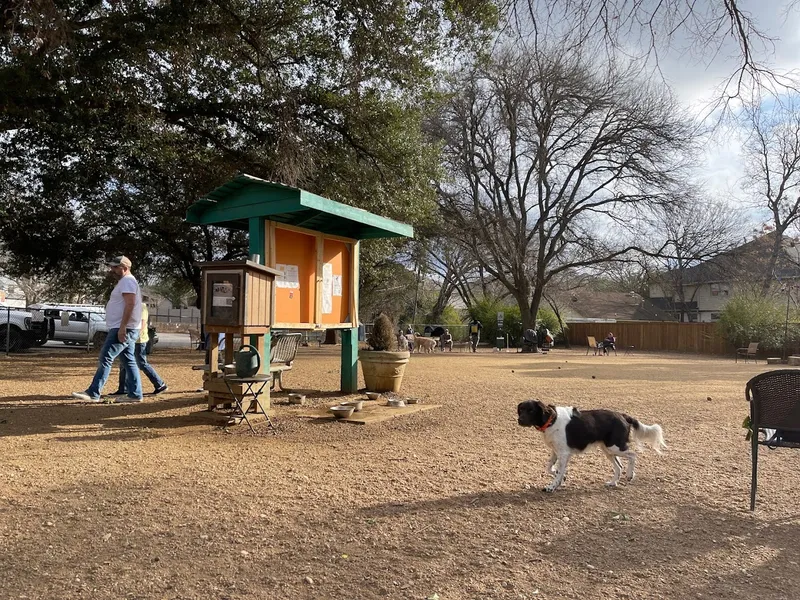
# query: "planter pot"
383,370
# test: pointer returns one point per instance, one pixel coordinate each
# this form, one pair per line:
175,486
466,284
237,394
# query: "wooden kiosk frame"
313,243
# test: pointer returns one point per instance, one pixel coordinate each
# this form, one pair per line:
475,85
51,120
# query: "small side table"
251,386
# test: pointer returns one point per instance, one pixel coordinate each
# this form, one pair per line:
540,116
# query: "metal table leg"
248,390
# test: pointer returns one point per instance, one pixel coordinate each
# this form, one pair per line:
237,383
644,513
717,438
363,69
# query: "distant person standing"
123,318
475,328
140,354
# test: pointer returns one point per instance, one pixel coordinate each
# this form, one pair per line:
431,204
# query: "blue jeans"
111,350
140,354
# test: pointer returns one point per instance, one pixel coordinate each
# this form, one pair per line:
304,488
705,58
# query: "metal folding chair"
251,386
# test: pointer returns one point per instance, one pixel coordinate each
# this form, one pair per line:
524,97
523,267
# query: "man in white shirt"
123,317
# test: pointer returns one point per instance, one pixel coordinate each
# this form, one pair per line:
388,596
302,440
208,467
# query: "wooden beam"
318,285
354,281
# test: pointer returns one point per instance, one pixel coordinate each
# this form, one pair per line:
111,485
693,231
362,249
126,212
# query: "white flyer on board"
289,278
327,288
337,285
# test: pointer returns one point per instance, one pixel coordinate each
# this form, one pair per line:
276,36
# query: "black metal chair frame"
774,399
251,386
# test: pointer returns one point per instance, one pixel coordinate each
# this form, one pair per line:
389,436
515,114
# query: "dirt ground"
156,501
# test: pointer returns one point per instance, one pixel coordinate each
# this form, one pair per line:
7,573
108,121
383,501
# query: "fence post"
8,329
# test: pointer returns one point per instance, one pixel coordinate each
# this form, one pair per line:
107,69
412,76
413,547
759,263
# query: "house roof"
622,306
749,259
232,204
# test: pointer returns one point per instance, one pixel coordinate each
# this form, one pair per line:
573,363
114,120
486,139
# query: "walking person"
123,318
140,355
475,328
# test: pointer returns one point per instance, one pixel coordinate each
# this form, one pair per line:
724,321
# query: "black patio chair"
774,399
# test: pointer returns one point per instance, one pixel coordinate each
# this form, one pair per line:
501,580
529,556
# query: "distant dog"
568,431
424,344
402,342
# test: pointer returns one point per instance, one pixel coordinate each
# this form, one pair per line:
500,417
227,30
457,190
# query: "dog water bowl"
373,395
296,398
356,404
342,412
411,400
396,403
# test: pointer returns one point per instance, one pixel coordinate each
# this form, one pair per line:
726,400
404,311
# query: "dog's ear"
549,411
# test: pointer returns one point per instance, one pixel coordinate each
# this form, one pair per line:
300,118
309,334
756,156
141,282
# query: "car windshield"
97,316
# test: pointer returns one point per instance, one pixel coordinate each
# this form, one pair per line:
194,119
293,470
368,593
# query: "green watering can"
248,361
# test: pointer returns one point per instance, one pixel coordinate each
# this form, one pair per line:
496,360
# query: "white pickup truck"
21,329
74,324
77,324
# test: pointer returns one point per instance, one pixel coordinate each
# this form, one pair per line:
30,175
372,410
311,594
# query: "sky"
695,78
693,68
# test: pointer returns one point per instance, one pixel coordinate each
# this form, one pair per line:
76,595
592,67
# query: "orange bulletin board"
295,250
337,254
316,287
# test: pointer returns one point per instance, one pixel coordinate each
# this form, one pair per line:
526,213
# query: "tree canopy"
114,117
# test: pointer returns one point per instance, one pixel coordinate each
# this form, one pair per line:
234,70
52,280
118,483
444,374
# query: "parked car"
74,324
21,328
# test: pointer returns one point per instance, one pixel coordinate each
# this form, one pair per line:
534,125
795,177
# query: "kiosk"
311,246
236,299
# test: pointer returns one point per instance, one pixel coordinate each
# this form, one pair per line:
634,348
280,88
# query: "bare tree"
704,29
542,149
772,153
685,235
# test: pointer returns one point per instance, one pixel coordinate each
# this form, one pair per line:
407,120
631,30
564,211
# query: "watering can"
248,361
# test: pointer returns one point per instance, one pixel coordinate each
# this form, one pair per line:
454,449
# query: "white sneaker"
126,399
84,397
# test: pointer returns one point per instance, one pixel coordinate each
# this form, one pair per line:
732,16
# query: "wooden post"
263,345
257,236
228,348
349,371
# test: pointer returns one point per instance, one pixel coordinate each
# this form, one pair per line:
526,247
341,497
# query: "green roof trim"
244,197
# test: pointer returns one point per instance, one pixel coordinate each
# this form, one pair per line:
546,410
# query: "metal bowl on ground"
412,400
373,395
296,398
356,404
342,412
396,403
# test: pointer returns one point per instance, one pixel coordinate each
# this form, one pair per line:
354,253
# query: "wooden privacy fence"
665,336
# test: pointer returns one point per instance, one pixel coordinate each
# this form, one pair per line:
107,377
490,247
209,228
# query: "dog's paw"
549,489
630,478
611,484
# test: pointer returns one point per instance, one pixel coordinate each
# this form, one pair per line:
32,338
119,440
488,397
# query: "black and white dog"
568,431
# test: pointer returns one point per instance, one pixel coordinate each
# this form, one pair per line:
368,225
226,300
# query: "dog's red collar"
549,422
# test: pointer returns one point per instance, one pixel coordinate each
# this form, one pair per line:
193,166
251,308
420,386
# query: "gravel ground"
156,501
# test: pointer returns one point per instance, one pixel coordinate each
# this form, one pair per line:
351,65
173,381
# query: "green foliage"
450,317
382,336
547,318
116,117
751,318
486,310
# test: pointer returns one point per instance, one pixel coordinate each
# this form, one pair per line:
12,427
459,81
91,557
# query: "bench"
282,355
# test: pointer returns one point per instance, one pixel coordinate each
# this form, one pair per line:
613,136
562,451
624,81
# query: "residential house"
708,286
591,305
11,294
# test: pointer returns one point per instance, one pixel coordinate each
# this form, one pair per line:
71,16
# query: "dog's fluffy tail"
650,434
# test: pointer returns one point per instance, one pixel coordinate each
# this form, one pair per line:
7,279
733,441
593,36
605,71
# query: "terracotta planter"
383,370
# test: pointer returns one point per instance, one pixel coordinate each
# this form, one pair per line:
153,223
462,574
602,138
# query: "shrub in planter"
382,365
